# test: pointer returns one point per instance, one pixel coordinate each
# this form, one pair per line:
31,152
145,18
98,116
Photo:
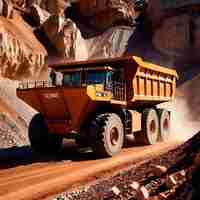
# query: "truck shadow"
17,156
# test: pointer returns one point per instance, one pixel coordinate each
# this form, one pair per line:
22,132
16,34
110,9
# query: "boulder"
65,37
112,43
103,14
171,182
176,179
143,194
115,190
135,186
159,170
56,7
38,14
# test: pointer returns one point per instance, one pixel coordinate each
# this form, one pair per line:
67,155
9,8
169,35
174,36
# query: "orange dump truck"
98,102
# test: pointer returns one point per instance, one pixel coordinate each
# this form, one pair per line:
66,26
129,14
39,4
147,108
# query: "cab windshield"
98,77
72,79
87,77
93,77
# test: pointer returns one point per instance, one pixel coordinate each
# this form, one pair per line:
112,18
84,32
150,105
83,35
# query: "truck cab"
104,78
81,77
98,102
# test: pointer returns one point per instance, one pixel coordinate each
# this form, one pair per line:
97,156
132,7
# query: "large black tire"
107,135
150,128
81,143
164,124
40,139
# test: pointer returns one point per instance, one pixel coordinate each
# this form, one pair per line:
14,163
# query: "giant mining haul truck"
98,103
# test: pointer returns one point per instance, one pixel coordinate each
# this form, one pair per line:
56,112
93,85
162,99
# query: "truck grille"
35,84
118,90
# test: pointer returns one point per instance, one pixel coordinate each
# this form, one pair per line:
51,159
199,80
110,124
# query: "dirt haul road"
24,175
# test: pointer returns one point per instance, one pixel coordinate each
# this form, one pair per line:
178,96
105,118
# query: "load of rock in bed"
32,31
172,176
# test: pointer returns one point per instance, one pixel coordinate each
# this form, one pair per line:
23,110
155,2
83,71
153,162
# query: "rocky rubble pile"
171,176
15,114
10,134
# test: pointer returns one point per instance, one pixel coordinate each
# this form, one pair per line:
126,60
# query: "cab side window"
118,75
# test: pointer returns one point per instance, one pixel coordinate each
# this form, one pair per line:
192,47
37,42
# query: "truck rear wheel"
150,127
107,134
164,124
40,139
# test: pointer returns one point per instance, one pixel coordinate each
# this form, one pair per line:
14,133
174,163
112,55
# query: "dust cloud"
183,125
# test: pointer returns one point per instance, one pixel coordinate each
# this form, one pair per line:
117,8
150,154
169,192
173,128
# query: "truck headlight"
100,94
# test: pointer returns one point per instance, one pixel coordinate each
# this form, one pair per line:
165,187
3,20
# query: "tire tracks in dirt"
40,180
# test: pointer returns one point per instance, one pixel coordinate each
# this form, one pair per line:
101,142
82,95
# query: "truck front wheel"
40,139
107,134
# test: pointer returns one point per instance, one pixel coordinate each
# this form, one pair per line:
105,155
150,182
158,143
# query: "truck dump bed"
153,83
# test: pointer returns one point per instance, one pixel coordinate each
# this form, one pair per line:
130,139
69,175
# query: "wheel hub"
166,124
114,136
152,126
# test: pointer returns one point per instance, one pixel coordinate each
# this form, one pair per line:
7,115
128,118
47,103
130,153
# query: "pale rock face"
172,37
21,54
112,43
65,37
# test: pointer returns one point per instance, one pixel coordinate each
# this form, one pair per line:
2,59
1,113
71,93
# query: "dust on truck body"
98,102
